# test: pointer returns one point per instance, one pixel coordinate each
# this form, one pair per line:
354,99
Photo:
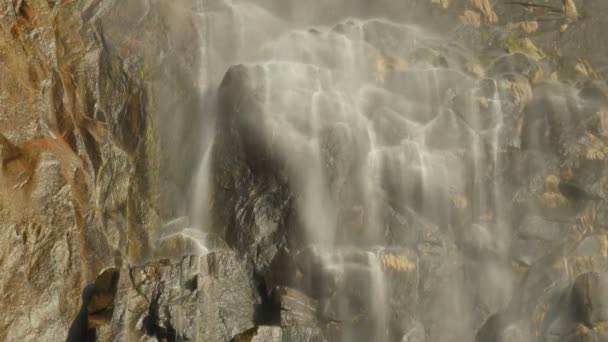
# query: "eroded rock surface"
79,172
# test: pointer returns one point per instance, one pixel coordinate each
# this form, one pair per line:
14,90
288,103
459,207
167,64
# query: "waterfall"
387,138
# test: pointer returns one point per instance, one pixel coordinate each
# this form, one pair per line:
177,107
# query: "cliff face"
106,107
76,137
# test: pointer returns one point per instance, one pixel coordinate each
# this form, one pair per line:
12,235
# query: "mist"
391,156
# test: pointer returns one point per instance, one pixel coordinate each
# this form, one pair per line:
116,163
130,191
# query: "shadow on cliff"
79,330
97,306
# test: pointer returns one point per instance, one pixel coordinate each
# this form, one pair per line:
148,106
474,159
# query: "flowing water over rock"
379,147
381,152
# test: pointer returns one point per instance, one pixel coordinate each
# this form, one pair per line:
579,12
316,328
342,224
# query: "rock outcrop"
80,153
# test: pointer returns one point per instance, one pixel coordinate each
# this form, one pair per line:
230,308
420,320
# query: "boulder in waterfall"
413,331
426,57
227,295
188,299
248,213
553,107
514,63
449,131
535,236
594,91
158,300
182,242
385,36
429,89
589,298
297,309
440,264
338,150
516,332
481,106
318,280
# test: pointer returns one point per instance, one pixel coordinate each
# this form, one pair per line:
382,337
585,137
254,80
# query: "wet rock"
176,246
410,329
449,131
302,334
330,50
297,309
535,227
427,57
544,119
516,63
594,91
249,213
318,280
360,288
480,107
414,335
589,301
226,296
430,88
282,271
339,156
158,300
487,241
491,329
515,332
171,300
447,261
584,334
408,227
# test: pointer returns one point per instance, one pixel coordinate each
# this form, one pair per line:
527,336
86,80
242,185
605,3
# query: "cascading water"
392,146
343,109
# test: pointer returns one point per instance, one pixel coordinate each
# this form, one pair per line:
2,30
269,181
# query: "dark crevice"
25,11
267,312
97,307
191,284
163,331
79,330
92,150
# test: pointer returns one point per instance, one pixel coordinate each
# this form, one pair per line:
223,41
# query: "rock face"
260,171
206,298
67,177
589,298
79,154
